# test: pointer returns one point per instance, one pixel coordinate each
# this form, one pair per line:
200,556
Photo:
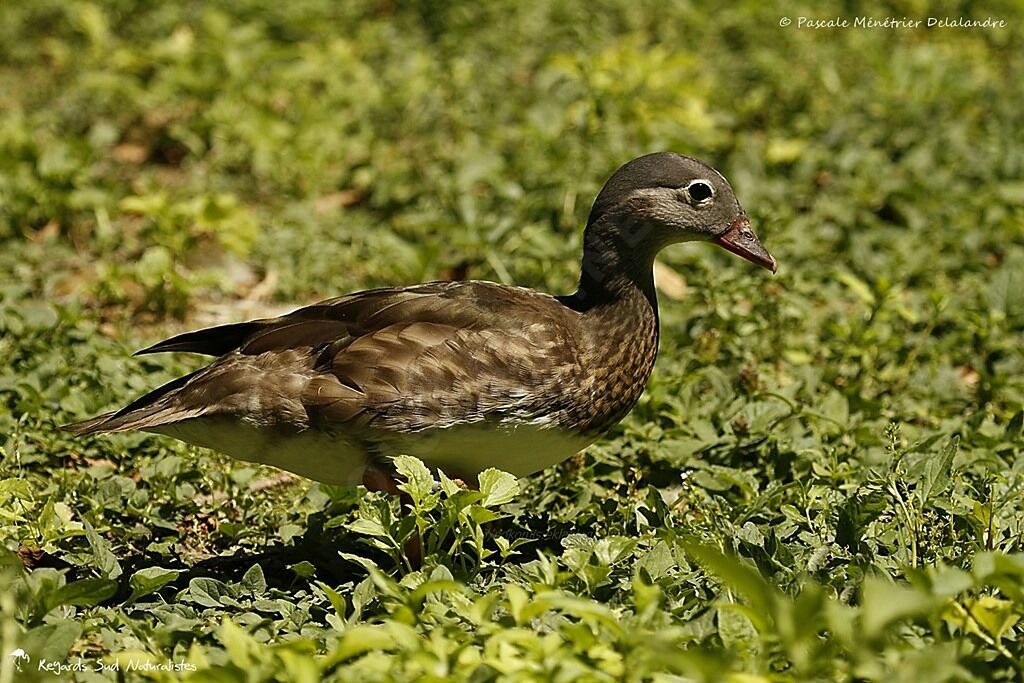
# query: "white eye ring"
700,191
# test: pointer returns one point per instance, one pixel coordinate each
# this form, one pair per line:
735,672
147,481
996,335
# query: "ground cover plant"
822,482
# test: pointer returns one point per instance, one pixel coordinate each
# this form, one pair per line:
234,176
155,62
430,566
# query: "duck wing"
320,321
397,360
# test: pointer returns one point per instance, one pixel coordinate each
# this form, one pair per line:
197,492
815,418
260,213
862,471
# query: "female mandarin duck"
463,375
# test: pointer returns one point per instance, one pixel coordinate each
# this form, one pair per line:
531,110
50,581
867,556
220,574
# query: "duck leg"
377,479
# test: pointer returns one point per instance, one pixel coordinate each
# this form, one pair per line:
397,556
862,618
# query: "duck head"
665,198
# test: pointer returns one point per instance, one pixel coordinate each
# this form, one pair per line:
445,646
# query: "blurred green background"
850,429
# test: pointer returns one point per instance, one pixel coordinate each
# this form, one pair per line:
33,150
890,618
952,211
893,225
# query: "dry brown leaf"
669,282
336,200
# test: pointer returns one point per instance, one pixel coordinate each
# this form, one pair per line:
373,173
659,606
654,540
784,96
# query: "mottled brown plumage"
464,375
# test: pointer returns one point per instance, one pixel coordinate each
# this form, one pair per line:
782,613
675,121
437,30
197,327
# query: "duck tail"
142,413
91,426
213,341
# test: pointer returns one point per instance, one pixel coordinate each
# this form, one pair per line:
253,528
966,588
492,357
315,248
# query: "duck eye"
700,190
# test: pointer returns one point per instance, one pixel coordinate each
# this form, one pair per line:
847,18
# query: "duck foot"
466,483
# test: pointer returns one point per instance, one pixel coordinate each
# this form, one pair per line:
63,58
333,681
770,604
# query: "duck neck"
617,270
618,321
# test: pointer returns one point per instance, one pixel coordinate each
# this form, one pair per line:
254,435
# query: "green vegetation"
822,482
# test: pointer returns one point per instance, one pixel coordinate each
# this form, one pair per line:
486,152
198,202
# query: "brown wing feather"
357,313
414,376
391,359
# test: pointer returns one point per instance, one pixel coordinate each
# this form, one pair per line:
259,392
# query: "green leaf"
1015,427
613,549
52,641
365,638
253,580
860,288
240,646
150,580
497,487
884,603
305,569
336,599
82,593
209,592
950,581
658,561
105,559
449,487
739,577
737,632
836,408
994,615
368,526
938,469
517,602
419,483
750,534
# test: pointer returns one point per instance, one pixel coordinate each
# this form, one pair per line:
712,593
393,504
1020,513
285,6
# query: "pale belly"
308,454
467,450
460,451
